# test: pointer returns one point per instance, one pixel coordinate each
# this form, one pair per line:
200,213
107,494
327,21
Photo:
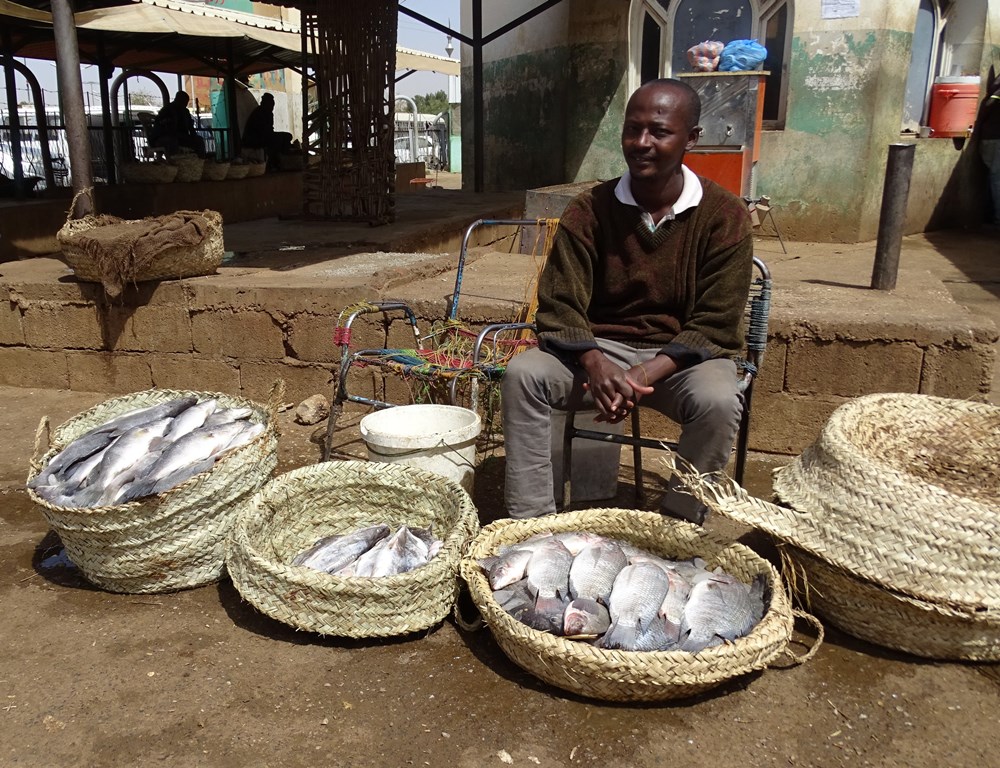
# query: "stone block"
148,329
187,372
241,335
311,338
50,325
959,372
114,372
849,369
772,372
786,423
11,330
22,367
301,381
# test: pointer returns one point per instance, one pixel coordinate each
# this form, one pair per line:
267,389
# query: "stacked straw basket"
892,531
238,171
149,173
215,170
633,675
189,166
256,169
171,541
296,509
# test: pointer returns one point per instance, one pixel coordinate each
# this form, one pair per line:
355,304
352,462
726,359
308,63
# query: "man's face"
656,134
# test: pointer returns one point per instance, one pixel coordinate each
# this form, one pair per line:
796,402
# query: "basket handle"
795,658
472,625
275,399
42,445
89,192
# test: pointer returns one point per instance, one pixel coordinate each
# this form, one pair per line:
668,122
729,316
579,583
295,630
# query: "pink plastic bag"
704,57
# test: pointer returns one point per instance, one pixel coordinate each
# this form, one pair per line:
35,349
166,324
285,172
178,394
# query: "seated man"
641,298
173,127
260,140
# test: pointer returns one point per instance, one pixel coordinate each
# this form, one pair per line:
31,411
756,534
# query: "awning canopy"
182,38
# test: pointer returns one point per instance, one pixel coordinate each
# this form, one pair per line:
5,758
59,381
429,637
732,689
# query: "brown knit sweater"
682,288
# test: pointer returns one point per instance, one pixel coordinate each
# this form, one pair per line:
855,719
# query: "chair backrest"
758,310
540,246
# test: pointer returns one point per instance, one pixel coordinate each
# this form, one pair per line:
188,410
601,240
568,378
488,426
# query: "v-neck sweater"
682,287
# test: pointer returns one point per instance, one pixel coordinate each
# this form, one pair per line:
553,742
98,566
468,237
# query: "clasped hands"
616,390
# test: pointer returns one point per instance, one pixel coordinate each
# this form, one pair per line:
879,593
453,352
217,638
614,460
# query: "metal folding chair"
449,354
756,316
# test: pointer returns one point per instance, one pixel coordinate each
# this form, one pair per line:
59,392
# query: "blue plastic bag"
741,55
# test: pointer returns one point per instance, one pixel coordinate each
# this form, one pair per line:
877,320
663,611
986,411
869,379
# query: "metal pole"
14,117
892,218
105,72
478,129
71,93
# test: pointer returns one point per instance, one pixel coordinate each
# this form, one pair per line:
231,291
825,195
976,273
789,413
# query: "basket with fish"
352,548
625,605
142,489
891,520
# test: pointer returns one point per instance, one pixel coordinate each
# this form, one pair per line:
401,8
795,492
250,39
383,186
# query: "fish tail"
620,636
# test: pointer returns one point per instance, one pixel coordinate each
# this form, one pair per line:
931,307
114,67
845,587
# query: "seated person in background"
260,140
641,298
173,127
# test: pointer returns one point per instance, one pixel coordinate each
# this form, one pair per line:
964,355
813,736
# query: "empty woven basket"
296,509
632,675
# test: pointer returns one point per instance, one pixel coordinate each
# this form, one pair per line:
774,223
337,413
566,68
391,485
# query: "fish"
226,415
244,436
515,598
504,570
577,541
584,617
141,416
594,569
193,448
191,418
400,553
332,553
152,486
634,606
672,608
720,608
80,449
548,576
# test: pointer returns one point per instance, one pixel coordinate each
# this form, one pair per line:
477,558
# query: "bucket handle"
439,444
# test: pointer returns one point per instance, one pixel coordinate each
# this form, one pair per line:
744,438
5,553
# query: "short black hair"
689,93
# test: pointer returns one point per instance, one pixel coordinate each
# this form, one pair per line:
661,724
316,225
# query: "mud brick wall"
237,334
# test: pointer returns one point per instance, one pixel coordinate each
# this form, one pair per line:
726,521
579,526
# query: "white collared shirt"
690,196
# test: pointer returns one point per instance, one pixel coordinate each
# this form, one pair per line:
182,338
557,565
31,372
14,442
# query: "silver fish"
634,606
333,553
140,416
226,415
672,608
594,570
152,486
515,598
193,448
584,617
548,570
503,570
719,608
191,419
249,432
80,449
577,541
129,449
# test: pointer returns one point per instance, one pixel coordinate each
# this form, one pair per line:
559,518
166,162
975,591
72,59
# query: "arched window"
663,30
947,42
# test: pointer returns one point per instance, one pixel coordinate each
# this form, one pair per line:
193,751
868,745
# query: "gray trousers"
703,399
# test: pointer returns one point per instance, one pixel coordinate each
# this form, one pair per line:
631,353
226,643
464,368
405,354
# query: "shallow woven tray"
889,619
167,542
295,509
178,262
903,490
631,675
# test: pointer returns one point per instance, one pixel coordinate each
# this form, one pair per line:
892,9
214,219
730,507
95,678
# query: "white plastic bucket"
438,438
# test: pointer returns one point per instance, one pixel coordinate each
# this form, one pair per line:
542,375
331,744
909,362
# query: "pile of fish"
583,586
371,552
144,452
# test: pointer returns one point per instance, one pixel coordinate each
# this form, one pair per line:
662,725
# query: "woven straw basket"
632,675
177,262
256,169
215,171
904,491
167,542
295,509
889,619
189,167
149,173
238,171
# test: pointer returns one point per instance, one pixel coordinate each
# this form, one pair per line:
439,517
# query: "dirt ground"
200,678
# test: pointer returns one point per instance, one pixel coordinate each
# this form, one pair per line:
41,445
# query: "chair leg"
335,410
567,459
640,492
743,436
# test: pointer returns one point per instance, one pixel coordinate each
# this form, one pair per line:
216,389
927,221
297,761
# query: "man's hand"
608,384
